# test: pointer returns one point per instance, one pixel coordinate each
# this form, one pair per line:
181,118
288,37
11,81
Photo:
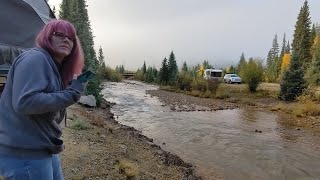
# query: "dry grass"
129,169
299,109
93,118
196,93
263,90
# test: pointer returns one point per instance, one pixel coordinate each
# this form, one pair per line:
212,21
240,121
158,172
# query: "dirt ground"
108,150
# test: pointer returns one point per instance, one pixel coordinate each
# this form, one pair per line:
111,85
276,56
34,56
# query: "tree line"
295,66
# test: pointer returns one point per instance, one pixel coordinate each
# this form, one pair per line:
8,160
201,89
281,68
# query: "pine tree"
206,65
284,44
75,11
317,27
313,34
164,72
172,68
273,62
101,58
144,67
293,83
65,9
241,63
149,75
287,50
301,39
314,71
184,67
283,51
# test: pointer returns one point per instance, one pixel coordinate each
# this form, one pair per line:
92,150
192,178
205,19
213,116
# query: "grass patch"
80,124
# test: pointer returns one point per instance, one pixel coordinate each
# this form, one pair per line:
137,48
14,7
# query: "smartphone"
86,76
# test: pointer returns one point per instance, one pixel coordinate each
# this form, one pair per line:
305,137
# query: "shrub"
111,74
252,74
94,89
128,169
184,81
80,124
139,75
200,84
213,85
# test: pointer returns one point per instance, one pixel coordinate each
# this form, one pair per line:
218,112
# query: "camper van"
20,21
213,74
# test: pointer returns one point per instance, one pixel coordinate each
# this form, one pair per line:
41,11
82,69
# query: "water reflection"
223,144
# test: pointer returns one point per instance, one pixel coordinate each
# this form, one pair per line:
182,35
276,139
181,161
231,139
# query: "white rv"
213,74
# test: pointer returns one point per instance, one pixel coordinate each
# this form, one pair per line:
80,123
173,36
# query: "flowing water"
222,144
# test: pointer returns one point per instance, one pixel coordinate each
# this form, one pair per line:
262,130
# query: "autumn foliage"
285,62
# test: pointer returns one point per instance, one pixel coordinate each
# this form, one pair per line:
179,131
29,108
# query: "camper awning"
20,22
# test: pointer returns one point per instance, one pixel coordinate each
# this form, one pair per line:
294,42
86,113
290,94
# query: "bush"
200,84
184,81
213,85
139,75
110,74
127,168
252,74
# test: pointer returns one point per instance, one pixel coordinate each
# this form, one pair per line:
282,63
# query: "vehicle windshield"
233,75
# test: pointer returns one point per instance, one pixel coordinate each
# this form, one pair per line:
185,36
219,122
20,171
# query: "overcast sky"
133,31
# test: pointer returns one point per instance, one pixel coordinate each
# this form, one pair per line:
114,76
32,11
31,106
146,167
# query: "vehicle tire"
230,82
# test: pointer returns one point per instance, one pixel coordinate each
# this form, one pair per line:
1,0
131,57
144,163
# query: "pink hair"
73,64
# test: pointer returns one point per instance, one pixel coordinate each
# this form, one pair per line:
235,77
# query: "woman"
39,87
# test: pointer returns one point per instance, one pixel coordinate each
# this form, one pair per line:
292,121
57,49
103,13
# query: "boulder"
89,100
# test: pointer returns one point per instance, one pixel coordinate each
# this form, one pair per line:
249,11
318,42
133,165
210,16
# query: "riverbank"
183,102
105,149
108,150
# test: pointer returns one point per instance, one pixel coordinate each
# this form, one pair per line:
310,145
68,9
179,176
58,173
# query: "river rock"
89,100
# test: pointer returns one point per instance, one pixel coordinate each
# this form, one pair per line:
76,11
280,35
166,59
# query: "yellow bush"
128,169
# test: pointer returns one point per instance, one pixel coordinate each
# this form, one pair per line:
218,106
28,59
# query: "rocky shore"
109,150
182,102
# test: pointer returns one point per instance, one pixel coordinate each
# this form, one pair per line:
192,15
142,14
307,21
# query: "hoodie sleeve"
30,80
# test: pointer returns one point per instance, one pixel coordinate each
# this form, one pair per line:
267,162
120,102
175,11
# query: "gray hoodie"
32,106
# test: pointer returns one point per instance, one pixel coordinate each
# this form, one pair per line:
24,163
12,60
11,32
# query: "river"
221,144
